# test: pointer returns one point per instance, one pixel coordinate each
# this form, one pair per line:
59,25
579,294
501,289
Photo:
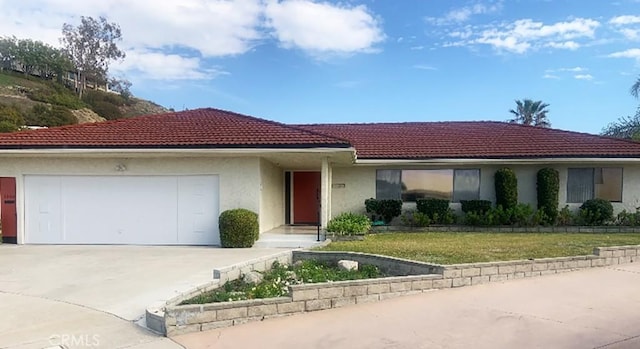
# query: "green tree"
33,57
625,127
530,112
122,86
91,47
8,47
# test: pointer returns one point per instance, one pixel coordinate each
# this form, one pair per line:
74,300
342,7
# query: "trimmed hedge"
477,206
506,186
437,210
548,187
596,211
239,228
386,209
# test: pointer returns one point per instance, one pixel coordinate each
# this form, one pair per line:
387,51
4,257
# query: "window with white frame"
410,185
590,183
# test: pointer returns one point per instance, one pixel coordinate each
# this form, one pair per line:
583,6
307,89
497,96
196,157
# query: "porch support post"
325,192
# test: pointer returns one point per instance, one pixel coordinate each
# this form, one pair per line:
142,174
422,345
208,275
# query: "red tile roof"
483,139
201,128
213,128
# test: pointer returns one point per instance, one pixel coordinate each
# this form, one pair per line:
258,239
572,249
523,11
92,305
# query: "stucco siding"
239,178
350,187
355,184
271,196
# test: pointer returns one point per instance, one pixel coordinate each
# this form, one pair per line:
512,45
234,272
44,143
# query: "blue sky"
303,61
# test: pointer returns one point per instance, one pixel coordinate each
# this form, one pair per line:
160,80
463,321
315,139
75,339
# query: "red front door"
306,197
8,209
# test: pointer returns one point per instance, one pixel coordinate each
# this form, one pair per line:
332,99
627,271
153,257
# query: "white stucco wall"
271,196
239,178
359,184
350,187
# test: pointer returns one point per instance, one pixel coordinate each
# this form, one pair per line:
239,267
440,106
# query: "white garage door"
148,210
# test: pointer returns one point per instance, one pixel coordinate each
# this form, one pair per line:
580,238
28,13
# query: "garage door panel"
154,210
45,223
194,210
125,210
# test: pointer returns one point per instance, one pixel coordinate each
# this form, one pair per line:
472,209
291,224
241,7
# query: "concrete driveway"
90,296
596,308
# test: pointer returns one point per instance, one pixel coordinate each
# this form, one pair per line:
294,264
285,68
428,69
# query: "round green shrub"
596,211
238,228
349,224
548,187
506,186
386,209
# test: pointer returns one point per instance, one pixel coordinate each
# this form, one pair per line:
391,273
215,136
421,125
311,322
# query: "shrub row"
385,210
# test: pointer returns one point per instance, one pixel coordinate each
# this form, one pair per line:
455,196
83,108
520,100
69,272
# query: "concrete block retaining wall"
155,315
180,319
304,298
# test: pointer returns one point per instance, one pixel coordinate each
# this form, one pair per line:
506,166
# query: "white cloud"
583,77
424,67
185,34
163,40
568,45
503,42
464,13
624,20
574,69
576,72
524,35
631,34
213,28
576,28
630,53
160,66
627,25
321,28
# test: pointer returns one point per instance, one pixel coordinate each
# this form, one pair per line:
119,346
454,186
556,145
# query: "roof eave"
501,160
87,147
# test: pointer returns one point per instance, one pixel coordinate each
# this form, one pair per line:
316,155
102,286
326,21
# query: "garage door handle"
9,201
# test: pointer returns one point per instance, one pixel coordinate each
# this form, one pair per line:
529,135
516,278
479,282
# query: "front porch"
292,236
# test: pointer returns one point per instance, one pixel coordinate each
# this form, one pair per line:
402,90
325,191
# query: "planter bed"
174,319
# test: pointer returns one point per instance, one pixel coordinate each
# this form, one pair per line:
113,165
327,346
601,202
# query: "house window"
388,184
410,185
588,183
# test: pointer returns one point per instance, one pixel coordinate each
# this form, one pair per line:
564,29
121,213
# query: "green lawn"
452,248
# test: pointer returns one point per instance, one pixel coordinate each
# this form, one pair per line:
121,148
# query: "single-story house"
164,179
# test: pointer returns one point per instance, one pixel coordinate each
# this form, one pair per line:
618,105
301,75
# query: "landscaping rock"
347,265
252,277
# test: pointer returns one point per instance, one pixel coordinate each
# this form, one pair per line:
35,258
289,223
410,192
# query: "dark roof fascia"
523,157
178,146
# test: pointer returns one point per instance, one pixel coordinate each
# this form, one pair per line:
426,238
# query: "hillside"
47,103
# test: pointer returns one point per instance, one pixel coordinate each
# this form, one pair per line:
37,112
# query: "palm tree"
529,112
635,88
